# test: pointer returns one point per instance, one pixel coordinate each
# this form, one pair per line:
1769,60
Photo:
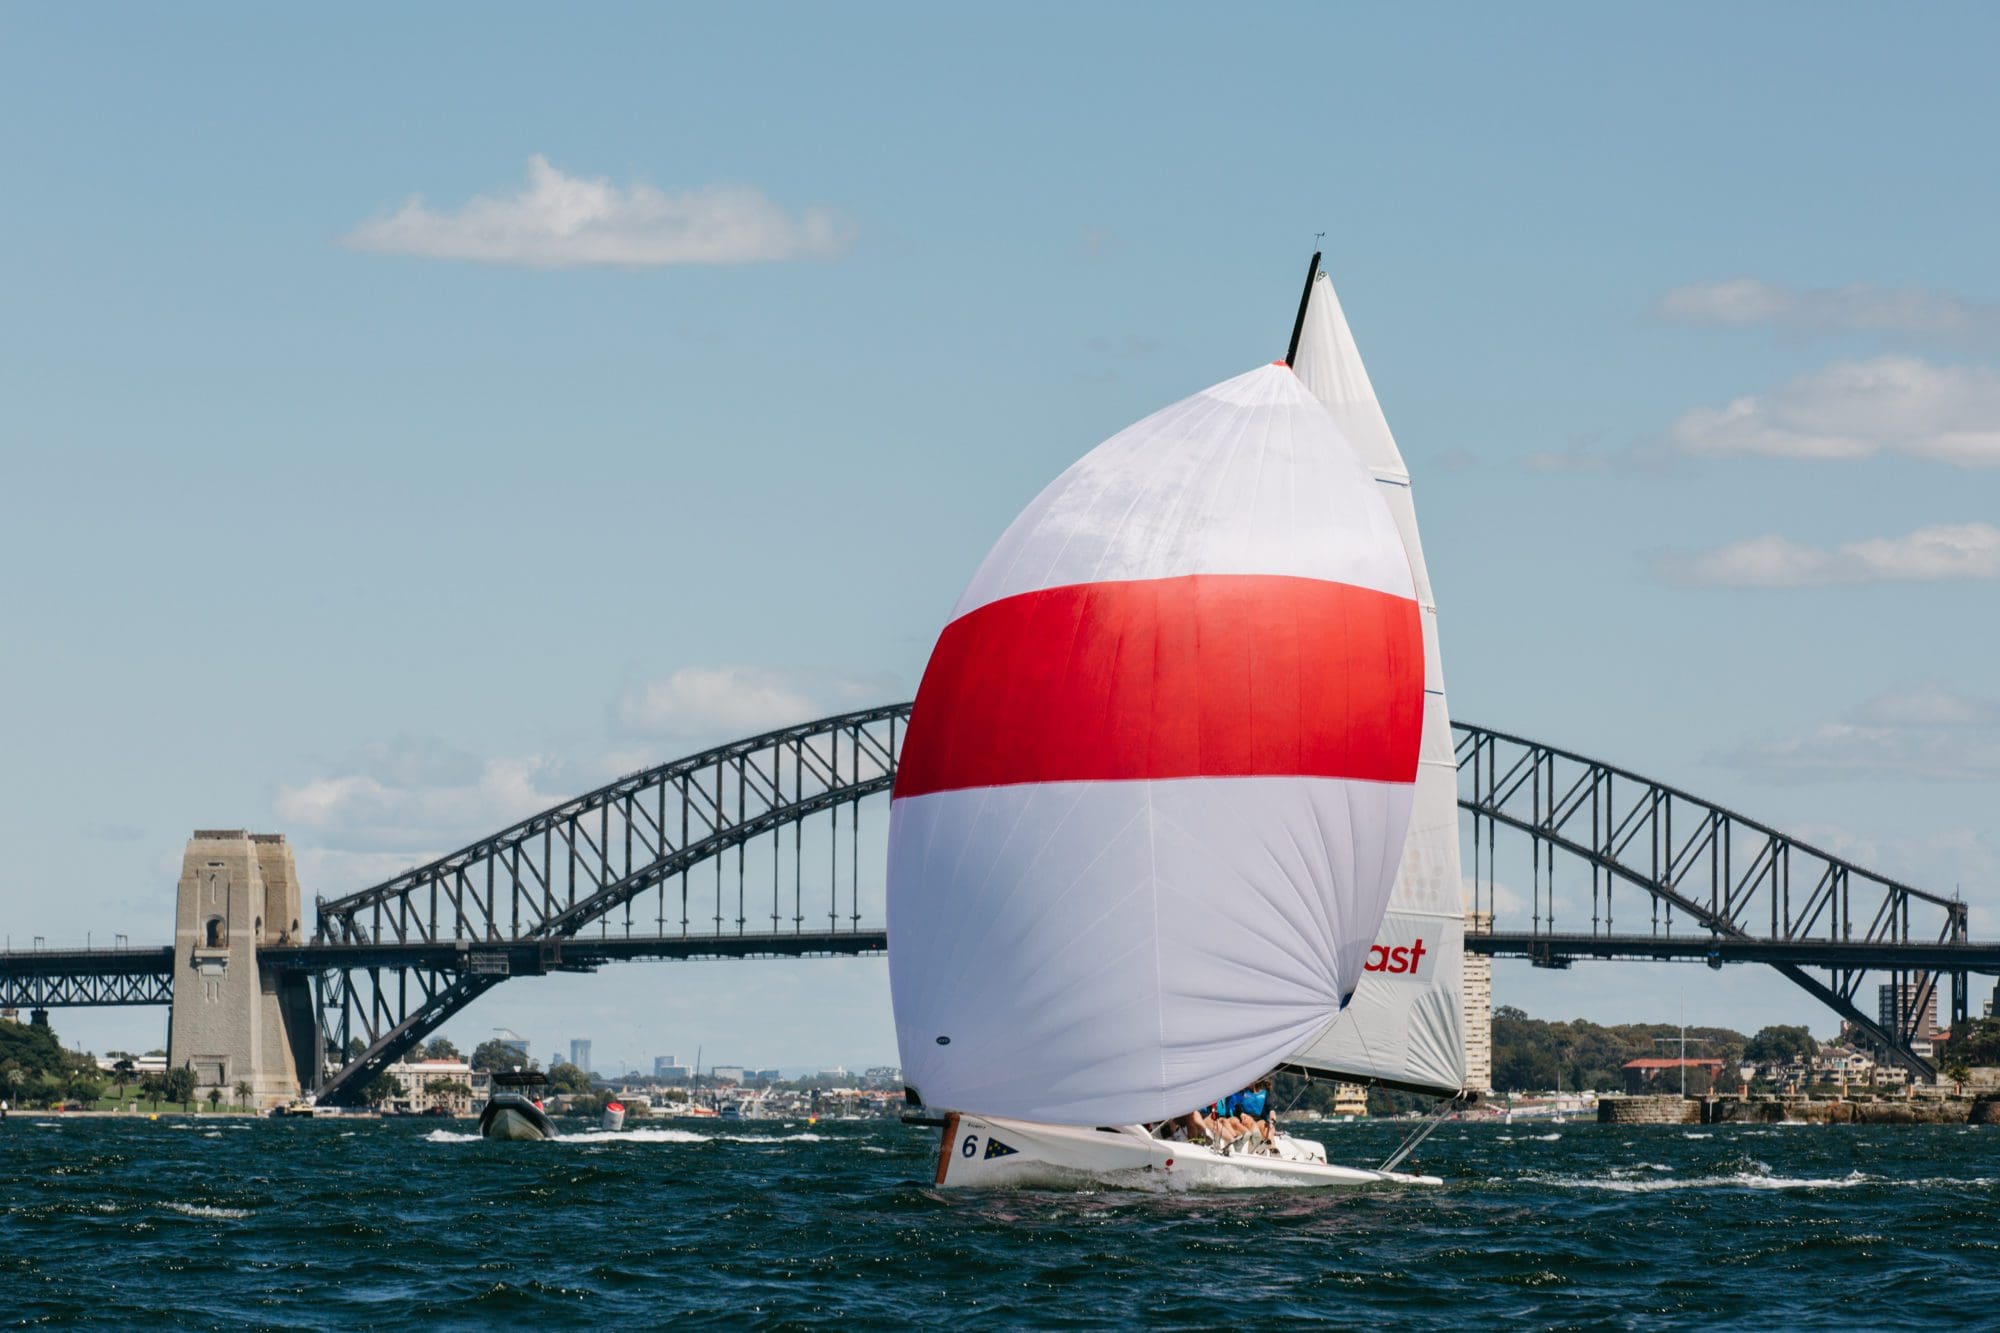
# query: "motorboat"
1176,808
514,1109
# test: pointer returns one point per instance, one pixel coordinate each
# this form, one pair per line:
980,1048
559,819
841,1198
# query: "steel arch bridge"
683,860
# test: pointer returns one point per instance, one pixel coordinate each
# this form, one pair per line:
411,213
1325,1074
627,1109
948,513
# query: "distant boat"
1154,797
614,1116
514,1110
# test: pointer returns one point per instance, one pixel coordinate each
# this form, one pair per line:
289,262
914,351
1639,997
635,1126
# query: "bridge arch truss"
1714,886
703,844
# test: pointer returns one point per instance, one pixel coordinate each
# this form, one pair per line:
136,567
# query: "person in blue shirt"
1245,1112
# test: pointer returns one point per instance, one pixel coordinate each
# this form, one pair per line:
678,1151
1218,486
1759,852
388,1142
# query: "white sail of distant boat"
1155,791
1405,1027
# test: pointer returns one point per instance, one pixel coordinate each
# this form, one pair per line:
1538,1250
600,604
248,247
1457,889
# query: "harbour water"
218,1222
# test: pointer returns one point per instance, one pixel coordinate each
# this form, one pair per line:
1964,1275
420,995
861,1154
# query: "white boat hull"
980,1152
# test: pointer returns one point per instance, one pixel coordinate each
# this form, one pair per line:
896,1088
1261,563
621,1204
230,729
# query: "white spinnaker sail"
1157,779
1406,1023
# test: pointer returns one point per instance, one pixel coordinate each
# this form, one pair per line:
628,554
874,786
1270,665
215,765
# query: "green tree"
180,1086
45,1090
1976,1042
214,1098
450,1087
12,1077
84,1088
441,1048
153,1087
381,1089
1782,1044
568,1078
243,1091
494,1054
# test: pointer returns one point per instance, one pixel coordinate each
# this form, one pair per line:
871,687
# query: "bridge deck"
1552,949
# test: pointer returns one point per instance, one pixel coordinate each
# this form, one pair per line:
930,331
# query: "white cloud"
1943,552
1856,409
1927,706
563,221
1927,735
724,702
365,812
702,700
1855,307
394,804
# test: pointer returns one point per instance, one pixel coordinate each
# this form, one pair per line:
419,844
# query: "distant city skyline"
389,459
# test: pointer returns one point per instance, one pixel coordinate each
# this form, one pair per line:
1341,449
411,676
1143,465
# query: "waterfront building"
579,1053
726,1073
672,1073
1476,1000
662,1063
1895,1005
449,1085
1645,1075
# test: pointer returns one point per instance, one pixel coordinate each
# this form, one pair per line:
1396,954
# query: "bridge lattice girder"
1731,878
553,874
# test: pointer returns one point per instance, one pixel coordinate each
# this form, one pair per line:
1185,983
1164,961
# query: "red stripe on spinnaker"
1207,675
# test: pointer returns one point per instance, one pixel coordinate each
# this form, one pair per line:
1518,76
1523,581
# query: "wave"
805,1137
209,1210
1747,1180
591,1136
634,1136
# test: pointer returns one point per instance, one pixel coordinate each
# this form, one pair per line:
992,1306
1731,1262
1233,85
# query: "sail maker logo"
1402,958
1401,952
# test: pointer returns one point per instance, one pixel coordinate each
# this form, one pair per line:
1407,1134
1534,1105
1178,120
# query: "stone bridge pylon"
232,1020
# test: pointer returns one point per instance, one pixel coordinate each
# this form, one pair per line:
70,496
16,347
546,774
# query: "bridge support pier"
233,1021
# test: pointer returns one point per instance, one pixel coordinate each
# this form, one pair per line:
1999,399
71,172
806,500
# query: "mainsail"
1406,1025
1158,775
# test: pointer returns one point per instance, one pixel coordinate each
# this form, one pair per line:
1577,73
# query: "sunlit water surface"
399,1224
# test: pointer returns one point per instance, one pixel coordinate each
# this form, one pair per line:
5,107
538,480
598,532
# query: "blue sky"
381,522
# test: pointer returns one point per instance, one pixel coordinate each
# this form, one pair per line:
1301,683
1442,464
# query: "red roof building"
1643,1076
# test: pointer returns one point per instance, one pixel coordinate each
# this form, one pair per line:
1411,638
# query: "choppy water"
401,1225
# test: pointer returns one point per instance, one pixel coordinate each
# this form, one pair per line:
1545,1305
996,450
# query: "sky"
412,418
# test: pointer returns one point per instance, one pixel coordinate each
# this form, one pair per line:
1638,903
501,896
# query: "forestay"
1406,1024
1159,771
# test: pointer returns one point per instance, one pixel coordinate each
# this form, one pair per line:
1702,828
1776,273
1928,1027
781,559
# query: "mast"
1305,299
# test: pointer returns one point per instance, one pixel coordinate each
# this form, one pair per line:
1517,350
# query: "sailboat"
1406,1026
1154,796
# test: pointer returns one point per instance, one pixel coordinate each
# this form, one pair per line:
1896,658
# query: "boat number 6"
971,1145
